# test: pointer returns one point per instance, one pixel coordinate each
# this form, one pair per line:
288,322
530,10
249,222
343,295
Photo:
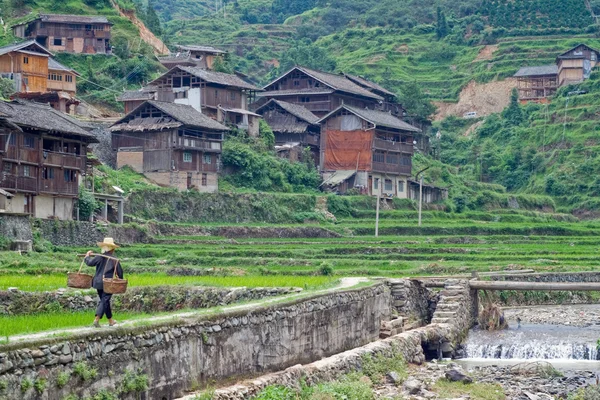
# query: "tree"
414,101
266,134
223,64
7,88
151,19
441,28
513,114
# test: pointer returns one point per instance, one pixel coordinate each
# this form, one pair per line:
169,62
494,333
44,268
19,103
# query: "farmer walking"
105,268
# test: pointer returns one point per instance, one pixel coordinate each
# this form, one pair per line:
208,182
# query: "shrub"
326,269
83,371
26,384
63,378
276,393
40,385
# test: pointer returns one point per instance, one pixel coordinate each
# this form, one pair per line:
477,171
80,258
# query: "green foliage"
84,371
3,386
87,204
441,27
133,382
26,384
151,19
326,269
376,367
7,88
276,392
256,168
266,134
40,385
513,114
63,378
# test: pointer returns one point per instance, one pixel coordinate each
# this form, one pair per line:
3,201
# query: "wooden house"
192,56
368,150
223,97
172,144
26,64
42,160
576,64
319,92
537,84
390,99
132,99
295,128
68,33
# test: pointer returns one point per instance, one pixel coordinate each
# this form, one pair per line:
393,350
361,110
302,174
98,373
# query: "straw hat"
108,242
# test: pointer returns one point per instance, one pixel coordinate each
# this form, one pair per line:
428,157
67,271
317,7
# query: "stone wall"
139,299
181,353
412,300
15,227
550,277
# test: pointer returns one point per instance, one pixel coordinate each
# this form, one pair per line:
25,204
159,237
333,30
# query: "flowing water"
566,347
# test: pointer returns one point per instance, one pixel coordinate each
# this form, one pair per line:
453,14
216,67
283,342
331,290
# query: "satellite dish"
118,189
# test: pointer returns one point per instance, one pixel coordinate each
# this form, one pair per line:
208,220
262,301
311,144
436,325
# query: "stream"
565,336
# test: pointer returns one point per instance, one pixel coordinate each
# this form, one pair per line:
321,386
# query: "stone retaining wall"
179,354
448,330
15,227
140,299
412,300
550,277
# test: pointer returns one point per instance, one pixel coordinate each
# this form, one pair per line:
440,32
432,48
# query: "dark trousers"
104,305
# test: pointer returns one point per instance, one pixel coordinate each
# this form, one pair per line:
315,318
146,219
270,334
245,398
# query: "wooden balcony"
18,183
316,105
59,186
63,160
392,168
198,144
380,144
25,155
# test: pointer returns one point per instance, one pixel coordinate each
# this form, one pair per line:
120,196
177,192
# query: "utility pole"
421,191
377,207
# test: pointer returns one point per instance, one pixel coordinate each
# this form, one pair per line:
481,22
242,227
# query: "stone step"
450,293
444,314
453,287
448,306
451,299
440,320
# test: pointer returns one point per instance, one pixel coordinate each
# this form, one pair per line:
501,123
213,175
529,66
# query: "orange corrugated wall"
344,148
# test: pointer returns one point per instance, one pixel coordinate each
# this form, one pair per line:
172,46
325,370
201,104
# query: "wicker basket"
115,285
78,280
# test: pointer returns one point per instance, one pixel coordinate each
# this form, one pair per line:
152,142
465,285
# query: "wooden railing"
381,144
20,183
317,105
392,168
59,186
63,160
195,143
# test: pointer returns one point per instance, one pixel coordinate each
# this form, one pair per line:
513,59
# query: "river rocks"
572,315
412,386
455,375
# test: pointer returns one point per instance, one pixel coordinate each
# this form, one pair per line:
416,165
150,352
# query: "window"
305,99
204,180
70,175
58,42
48,173
68,78
232,96
216,95
206,159
391,158
400,186
296,82
26,81
388,187
405,161
26,170
187,157
378,157
376,184
29,141
25,60
12,140
7,168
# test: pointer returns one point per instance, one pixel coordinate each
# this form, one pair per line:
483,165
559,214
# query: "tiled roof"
55,65
565,54
24,45
289,92
335,81
368,84
146,93
537,71
43,117
378,118
296,110
219,78
186,115
78,19
206,49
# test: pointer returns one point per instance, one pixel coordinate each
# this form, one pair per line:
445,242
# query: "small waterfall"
534,350
541,342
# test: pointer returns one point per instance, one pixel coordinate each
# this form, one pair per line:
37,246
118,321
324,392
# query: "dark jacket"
105,268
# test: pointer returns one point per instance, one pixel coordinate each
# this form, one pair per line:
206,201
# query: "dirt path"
145,33
345,283
487,52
